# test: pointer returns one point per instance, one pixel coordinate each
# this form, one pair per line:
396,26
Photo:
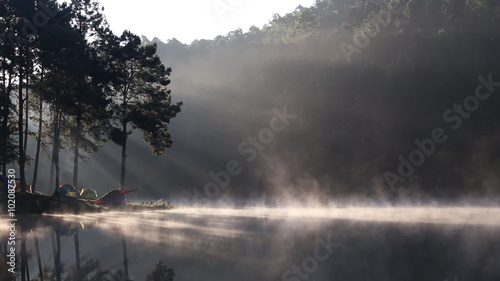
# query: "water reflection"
45,251
251,244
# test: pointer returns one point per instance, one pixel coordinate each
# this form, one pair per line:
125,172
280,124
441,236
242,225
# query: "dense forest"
370,81
391,98
68,82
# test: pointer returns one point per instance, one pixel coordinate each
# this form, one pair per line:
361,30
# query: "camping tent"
114,197
67,192
88,193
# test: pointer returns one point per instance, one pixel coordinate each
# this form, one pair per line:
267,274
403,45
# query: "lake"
350,243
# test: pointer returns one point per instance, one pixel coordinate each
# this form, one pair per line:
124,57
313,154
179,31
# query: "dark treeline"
66,81
384,93
369,81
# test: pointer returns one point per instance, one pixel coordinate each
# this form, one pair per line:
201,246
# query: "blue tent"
67,192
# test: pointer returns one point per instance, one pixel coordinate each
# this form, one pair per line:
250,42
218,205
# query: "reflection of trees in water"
85,267
90,270
161,272
4,267
93,270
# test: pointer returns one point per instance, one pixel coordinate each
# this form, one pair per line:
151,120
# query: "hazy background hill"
355,115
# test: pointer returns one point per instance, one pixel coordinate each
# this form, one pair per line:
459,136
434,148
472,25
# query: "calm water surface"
433,244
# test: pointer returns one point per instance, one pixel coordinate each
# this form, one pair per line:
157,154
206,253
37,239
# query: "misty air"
295,140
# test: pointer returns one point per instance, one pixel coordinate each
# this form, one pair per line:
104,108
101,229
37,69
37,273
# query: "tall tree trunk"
77,147
124,139
6,104
51,177
38,144
20,124
4,98
56,146
26,117
124,155
5,131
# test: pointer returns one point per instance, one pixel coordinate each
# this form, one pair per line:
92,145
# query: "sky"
187,20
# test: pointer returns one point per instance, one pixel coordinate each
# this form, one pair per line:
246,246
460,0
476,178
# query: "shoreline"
27,203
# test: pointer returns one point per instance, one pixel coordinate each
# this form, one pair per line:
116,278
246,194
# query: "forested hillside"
370,81
386,99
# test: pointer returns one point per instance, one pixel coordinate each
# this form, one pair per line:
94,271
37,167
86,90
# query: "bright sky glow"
187,20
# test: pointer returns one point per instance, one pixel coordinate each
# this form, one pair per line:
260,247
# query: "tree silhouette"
141,96
78,79
161,272
90,101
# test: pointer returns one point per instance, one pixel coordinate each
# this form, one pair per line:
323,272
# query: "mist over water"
323,208
409,215
354,119
263,243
